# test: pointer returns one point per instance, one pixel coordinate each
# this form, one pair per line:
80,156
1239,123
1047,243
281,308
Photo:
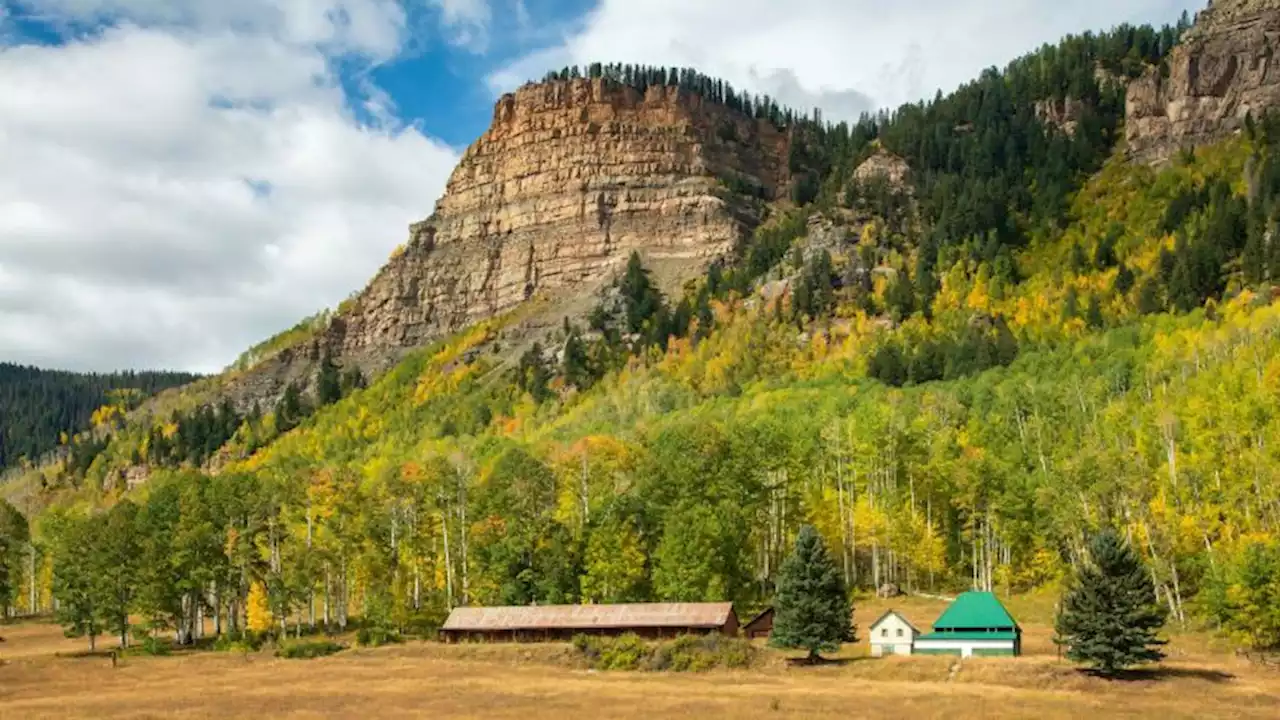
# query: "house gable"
892,629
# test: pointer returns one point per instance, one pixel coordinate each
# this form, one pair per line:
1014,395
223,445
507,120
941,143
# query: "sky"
180,179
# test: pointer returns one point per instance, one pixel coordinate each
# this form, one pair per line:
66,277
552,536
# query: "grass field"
1201,679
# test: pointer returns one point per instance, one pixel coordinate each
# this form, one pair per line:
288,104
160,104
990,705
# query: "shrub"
152,645
239,642
687,653
307,649
624,653
377,636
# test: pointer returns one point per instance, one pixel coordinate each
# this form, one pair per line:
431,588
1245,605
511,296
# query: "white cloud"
467,21
843,55
178,187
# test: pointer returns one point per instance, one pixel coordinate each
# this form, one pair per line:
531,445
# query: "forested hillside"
1034,339
39,409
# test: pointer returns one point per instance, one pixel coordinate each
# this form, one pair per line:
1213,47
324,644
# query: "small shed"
561,622
761,626
892,634
976,624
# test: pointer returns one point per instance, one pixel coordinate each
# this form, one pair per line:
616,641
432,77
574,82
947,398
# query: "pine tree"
1109,616
1093,313
812,609
1124,280
328,382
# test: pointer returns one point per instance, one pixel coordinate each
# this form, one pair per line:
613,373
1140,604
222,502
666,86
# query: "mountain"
1223,71
570,178
42,406
655,325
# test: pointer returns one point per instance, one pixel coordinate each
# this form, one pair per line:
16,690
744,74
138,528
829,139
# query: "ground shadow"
1159,674
802,662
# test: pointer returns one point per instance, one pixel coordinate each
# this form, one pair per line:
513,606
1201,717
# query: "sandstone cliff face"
885,165
570,178
1223,69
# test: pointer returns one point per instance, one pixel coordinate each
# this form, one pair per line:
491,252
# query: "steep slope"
570,178
1224,69
38,406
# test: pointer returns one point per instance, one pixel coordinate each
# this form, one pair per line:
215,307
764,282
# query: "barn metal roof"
975,611
586,617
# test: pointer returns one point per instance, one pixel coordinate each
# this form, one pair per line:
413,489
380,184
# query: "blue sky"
183,178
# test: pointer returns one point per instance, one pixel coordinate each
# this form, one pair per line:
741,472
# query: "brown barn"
760,626
562,622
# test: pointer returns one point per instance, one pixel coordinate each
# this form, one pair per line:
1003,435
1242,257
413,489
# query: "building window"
884,632
899,632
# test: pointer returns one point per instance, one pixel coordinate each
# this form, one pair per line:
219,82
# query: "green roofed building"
976,624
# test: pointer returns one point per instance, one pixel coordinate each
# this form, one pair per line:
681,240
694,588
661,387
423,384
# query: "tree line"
44,407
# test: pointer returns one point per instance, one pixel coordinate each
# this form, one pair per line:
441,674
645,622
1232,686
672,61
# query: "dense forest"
1035,340
39,409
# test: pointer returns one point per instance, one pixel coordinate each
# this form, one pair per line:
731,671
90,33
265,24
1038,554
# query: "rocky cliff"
1223,69
569,179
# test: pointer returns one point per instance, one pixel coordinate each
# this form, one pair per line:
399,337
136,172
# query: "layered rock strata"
570,178
1223,69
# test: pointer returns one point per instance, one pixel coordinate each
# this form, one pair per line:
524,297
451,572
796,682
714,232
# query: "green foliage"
307,649
1244,596
155,646
41,405
686,653
1110,616
377,636
15,536
812,607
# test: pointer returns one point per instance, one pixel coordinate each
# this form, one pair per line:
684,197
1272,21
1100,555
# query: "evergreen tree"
328,382
14,535
1109,616
1077,261
576,365
813,611
1093,313
1124,280
1070,305
1149,298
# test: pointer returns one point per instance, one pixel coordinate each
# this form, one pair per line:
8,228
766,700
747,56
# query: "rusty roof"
586,617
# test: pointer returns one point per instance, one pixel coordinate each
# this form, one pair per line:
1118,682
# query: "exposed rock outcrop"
1223,69
569,179
1062,114
884,164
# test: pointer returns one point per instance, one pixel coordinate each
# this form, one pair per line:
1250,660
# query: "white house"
976,624
892,635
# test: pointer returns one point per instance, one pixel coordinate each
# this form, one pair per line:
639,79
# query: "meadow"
41,677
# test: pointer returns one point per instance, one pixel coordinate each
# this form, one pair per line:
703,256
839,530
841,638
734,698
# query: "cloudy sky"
182,178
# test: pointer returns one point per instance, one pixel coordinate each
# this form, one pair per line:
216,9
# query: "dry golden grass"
544,681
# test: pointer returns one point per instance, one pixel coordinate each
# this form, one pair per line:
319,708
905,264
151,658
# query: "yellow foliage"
257,609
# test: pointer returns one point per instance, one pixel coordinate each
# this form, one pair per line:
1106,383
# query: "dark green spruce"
812,609
1110,615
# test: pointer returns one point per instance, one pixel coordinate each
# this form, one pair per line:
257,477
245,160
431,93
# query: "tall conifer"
812,610
1110,615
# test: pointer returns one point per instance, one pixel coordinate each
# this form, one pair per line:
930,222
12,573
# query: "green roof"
975,611
962,635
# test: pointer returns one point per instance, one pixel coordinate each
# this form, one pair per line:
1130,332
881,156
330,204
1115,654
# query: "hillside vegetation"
42,409
1034,340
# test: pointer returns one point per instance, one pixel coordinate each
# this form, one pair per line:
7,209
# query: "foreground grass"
549,681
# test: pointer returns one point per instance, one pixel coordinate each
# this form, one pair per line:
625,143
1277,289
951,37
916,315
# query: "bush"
624,653
239,642
687,653
308,649
152,645
377,636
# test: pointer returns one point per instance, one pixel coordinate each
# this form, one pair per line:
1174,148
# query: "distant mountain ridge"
38,406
